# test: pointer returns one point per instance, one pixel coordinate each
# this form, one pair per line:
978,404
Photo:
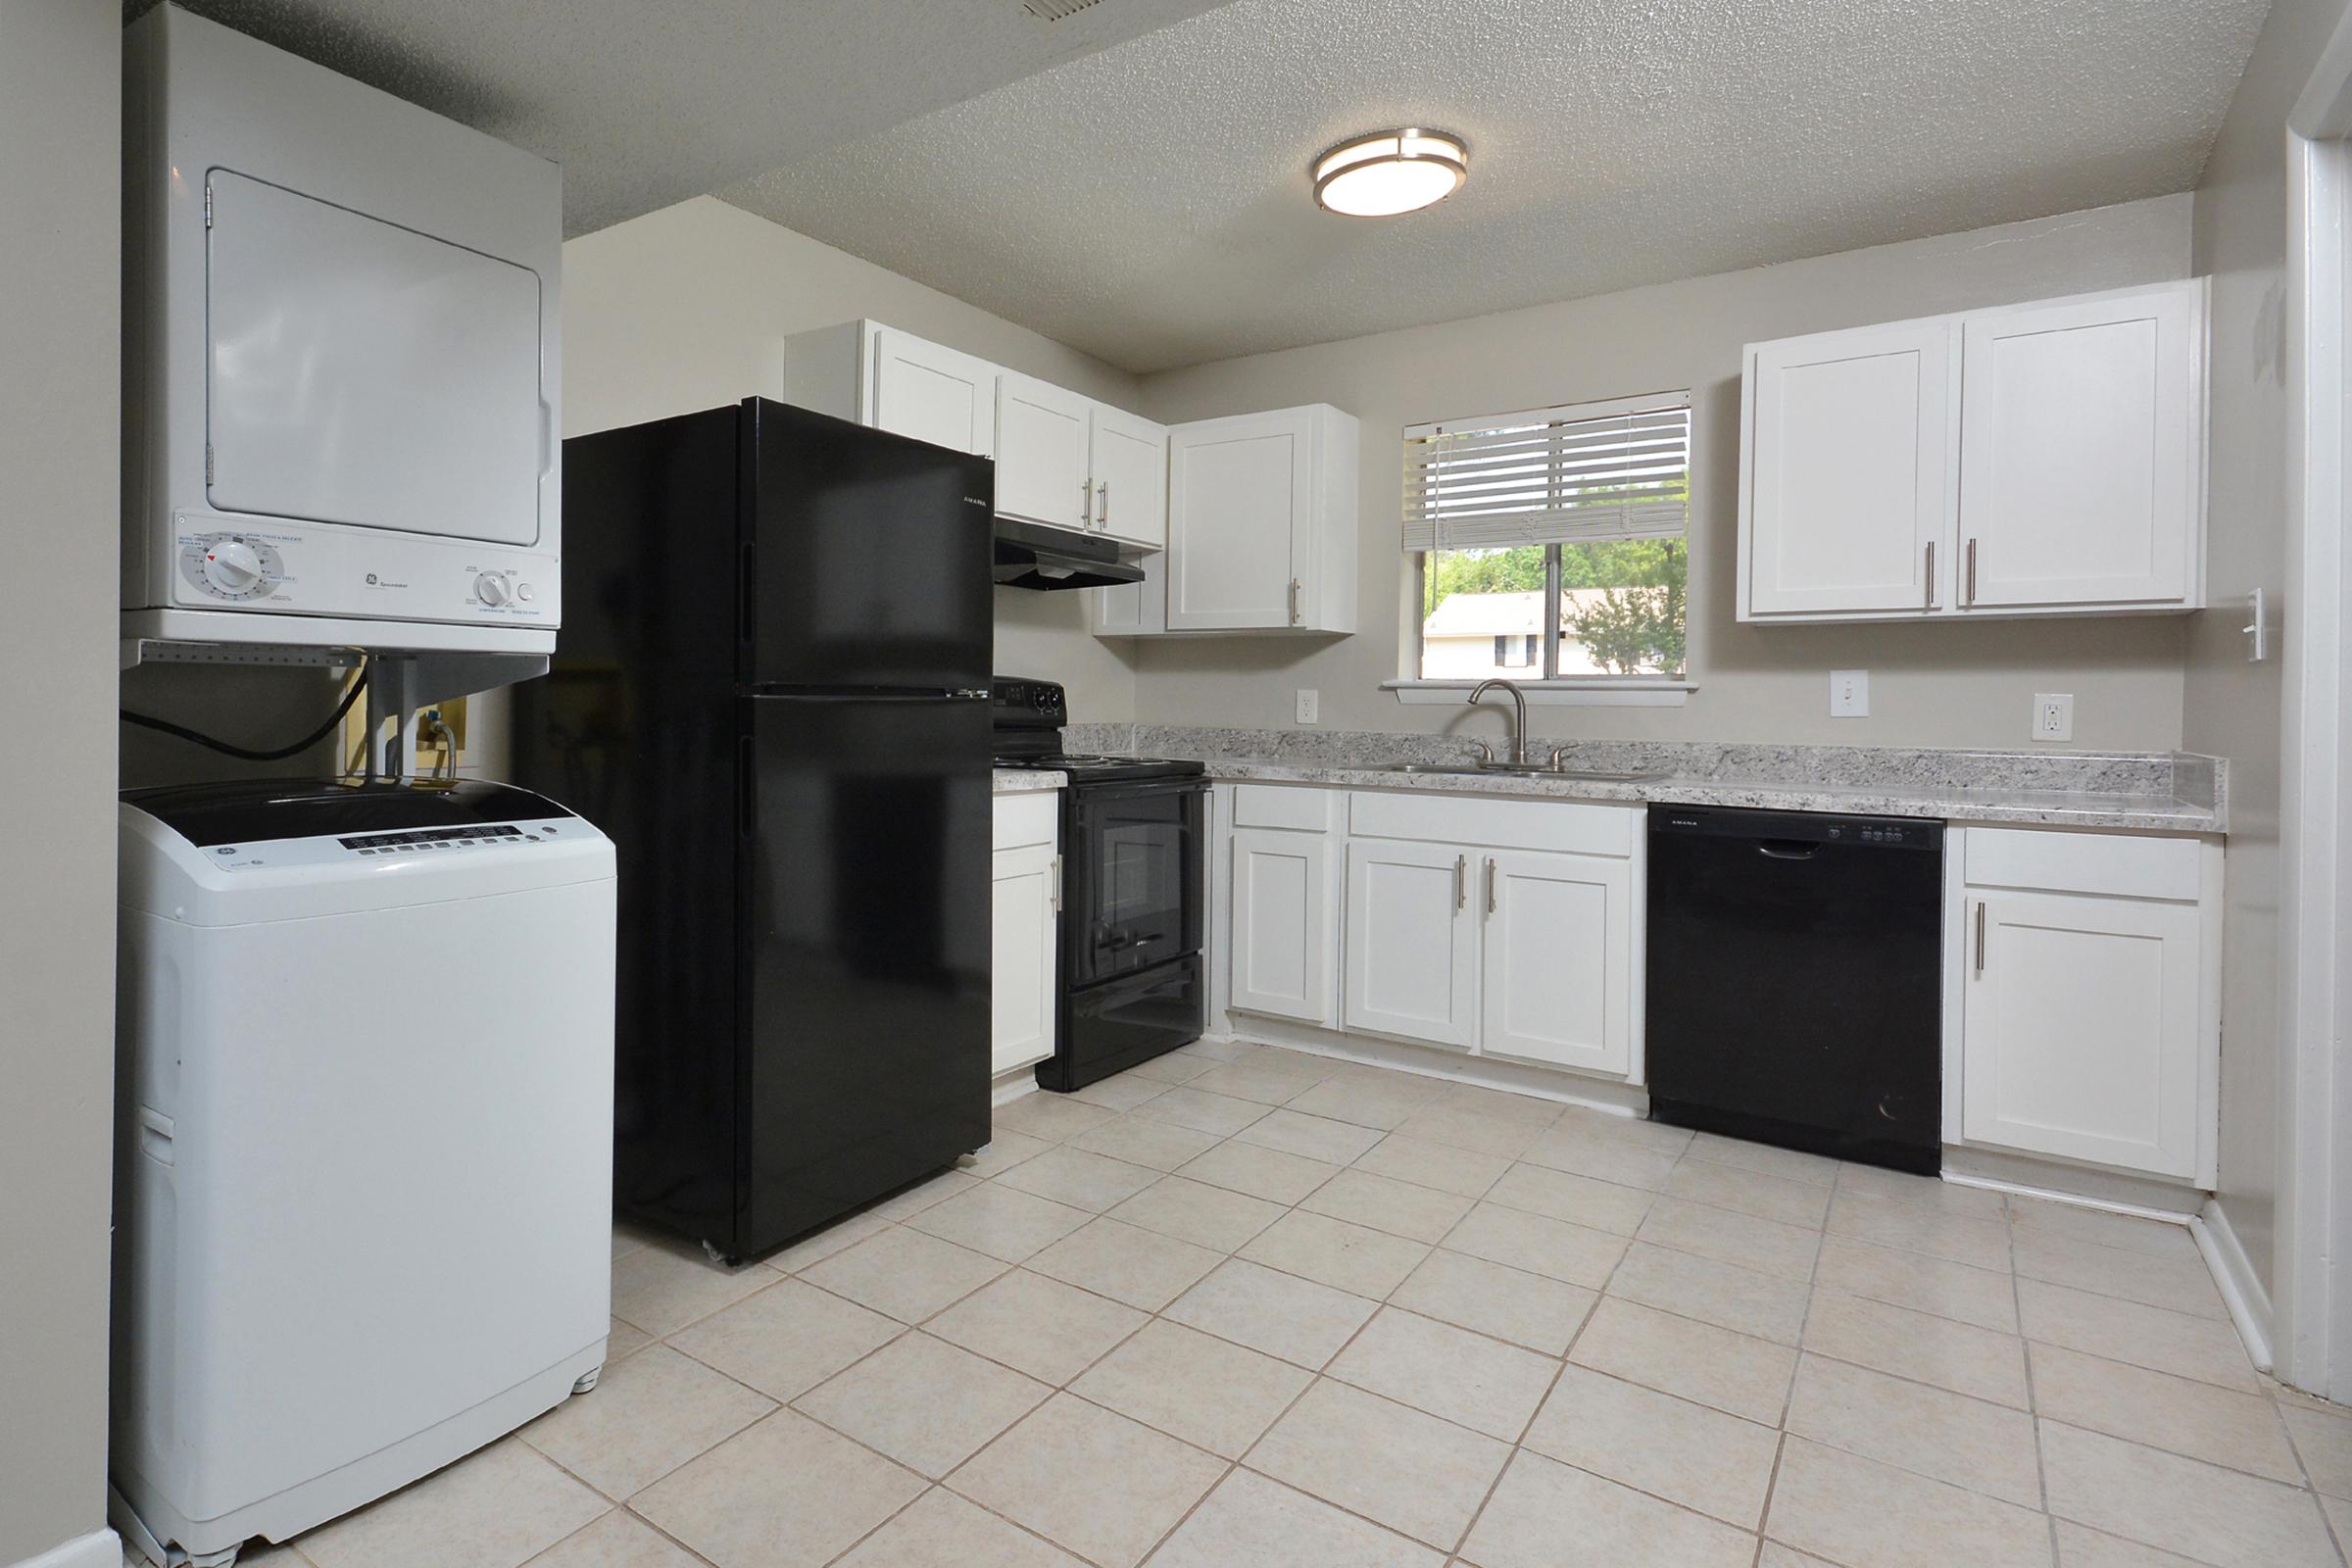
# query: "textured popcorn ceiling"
648,102
1149,203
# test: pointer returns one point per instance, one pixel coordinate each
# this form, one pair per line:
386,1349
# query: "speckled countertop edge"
1013,780
2153,813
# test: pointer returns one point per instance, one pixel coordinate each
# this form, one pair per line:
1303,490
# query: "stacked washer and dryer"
365,1025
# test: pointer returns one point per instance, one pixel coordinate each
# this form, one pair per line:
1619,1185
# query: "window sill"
1622,691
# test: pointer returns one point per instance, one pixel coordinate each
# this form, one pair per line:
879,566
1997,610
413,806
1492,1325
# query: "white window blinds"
1573,474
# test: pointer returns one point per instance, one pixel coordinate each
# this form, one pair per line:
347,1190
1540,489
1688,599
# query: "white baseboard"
100,1548
2242,1290
1560,1084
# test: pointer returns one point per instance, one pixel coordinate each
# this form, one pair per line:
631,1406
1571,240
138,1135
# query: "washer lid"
246,810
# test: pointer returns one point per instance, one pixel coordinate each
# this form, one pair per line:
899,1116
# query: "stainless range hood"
1032,556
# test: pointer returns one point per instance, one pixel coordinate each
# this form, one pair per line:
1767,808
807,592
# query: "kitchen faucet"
1518,702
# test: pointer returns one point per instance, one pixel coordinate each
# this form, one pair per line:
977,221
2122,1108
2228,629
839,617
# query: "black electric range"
1134,834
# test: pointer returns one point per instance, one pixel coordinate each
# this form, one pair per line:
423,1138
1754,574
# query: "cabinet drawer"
1026,819
2083,862
1305,810
1575,827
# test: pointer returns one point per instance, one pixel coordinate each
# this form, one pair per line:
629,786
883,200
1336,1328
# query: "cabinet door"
1411,942
2080,432
933,394
1848,473
1283,957
1241,512
2080,1028
1130,465
1558,959
1040,452
1021,943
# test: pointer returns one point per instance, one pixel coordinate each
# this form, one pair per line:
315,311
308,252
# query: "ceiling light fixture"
1390,171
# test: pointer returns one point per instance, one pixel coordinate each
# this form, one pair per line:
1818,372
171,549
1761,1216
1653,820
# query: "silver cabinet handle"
1980,936
1103,503
1461,881
1972,571
1057,882
1489,885
1294,601
1086,503
1930,603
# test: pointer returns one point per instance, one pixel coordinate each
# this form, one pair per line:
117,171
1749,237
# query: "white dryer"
341,352
364,1183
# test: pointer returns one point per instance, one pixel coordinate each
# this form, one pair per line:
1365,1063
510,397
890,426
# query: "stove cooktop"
1094,769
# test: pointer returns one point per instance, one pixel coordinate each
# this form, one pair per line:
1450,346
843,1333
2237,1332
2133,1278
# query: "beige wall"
60,319
2230,706
687,308
1941,685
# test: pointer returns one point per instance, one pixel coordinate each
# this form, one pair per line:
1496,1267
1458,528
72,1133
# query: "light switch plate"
2053,716
1849,694
1310,705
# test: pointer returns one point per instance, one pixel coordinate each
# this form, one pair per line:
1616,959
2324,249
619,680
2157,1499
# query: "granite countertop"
2142,792
1013,780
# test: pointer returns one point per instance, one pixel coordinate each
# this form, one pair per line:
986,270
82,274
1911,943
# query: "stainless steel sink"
1586,775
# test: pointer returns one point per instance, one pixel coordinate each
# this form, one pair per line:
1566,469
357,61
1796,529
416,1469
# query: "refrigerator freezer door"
866,924
867,558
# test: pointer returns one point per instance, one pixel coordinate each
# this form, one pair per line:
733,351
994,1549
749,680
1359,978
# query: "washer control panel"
407,846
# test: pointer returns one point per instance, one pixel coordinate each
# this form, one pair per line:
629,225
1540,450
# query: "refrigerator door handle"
747,788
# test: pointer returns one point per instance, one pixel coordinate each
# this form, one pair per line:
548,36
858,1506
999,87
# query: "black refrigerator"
771,692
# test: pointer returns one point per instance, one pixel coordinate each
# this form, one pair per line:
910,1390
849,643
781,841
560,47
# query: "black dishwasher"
1796,980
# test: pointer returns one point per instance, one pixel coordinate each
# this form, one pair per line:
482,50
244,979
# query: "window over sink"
1553,544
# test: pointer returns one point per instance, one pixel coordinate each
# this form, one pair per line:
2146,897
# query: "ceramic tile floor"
1244,1307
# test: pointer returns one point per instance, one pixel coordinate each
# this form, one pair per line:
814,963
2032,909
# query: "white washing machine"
363,1185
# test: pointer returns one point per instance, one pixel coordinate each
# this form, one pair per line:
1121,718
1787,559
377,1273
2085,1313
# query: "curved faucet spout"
1519,704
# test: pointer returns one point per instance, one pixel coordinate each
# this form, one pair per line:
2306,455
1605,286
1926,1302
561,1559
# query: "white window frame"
1543,687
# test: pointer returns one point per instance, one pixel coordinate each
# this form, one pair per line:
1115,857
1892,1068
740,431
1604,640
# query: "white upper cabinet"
2041,459
1262,523
1042,435
1850,474
933,394
1062,460
1129,465
2080,457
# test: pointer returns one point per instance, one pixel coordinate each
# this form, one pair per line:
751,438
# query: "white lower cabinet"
1411,943
1503,928
2087,998
1560,967
1285,929
1024,921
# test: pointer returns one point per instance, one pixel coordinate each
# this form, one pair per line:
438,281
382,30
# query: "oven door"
1133,873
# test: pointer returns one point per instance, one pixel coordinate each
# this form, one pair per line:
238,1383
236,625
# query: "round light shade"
1390,171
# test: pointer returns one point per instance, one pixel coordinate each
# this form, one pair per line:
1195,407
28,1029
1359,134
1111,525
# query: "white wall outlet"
1849,694
1310,705
2053,716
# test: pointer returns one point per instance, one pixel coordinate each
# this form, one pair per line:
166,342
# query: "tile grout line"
2024,1347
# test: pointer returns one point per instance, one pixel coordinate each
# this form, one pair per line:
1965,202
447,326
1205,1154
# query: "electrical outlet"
1310,705
1849,694
2053,716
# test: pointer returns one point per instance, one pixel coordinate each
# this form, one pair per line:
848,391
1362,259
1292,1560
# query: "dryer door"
361,373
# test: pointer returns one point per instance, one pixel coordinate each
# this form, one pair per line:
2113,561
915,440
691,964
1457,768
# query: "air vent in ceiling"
1056,9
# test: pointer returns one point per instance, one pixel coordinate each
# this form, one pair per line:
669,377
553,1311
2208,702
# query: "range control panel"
410,846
